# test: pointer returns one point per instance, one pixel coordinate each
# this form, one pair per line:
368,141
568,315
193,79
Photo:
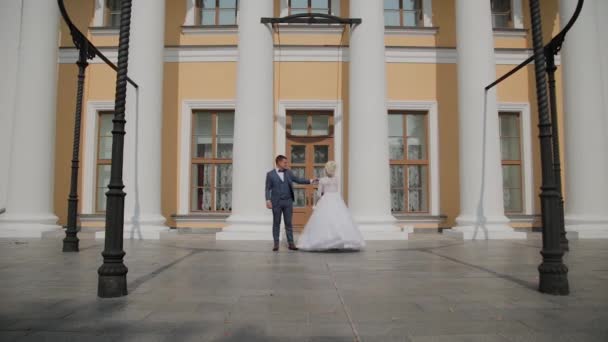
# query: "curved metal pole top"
82,42
554,45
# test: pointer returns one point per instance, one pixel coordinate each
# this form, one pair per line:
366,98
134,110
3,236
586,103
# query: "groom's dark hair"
279,158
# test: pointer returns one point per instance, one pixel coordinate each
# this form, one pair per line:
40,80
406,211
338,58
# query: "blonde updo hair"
330,168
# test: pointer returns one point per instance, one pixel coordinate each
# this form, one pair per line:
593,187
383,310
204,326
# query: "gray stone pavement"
192,288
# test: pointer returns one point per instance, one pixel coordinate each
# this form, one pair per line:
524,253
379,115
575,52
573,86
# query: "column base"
248,229
382,228
489,229
148,228
20,226
586,227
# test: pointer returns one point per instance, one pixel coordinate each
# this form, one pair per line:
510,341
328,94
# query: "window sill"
104,31
510,32
201,217
215,30
410,31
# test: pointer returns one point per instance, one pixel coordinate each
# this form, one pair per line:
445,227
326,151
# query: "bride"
331,226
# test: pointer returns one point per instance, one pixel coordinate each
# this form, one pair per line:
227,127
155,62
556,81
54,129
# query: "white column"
29,207
585,121
481,203
253,126
368,169
143,149
10,32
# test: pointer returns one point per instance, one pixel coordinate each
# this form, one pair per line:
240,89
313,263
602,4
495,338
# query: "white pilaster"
10,32
585,121
368,169
253,126
29,207
143,217
481,196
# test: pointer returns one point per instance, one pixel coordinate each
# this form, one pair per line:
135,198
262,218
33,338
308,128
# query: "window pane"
225,129
395,125
391,4
395,140
201,175
223,197
299,172
103,175
300,198
509,148
202,123
509,125
202,140
105,148
410,18
319,4
103,179
397,192
319,172
201,199
105,124
411,4
396,151
104,143
501,13
225,124
320,125
391,18
397,176
417,188
223,177
321,154
298,11
299,125
500,5
227,17
228,4
513,200
511,176
416,141
208,3
208,17
299,3
298,154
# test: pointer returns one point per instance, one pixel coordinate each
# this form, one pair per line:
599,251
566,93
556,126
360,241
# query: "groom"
280,197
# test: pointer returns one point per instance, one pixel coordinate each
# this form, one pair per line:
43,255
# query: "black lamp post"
550,51
85,52
113,272
71,242
553,272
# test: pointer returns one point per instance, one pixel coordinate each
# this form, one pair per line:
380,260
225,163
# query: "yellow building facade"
191,137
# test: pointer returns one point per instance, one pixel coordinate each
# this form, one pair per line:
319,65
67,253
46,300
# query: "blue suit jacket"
274,182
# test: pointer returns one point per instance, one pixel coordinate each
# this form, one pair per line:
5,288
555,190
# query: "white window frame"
431,108
523,109
89,172
185,139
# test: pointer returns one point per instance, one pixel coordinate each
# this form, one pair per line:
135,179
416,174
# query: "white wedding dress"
330,226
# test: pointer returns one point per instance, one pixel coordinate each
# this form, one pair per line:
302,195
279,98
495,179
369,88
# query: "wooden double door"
310,144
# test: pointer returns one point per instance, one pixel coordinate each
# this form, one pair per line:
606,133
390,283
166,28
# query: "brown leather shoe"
293,247
275,248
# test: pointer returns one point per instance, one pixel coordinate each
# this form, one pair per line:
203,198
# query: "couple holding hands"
330,227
